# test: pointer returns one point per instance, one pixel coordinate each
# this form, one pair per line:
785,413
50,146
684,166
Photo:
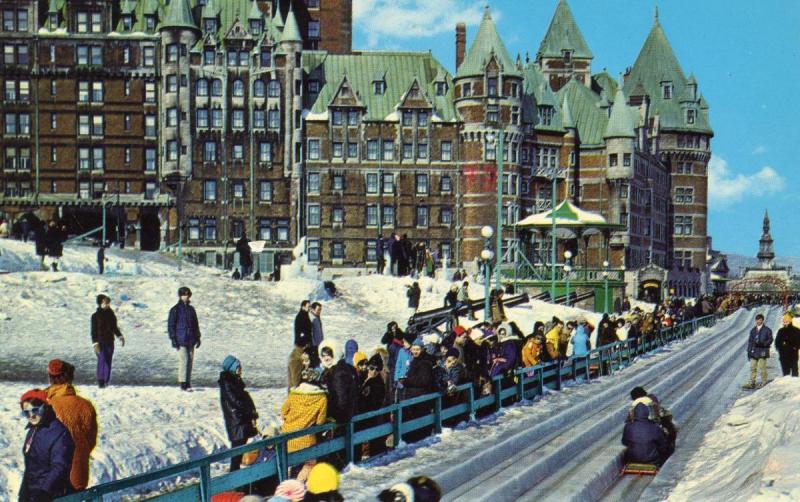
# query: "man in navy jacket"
645,440
184,332
758,351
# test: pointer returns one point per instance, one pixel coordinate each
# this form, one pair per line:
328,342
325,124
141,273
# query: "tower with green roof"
563,53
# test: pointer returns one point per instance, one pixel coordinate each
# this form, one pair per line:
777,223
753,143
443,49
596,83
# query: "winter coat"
295,366
475,358
531,352
238,408
463,295
41,241
505,358
104,327
413,293
758,343
451,298
419,379
581,345
394,348
80,418
389,337
497,310
54,241
342,392
245,254
606,335
48,451
302,329
402,363
645,440
316,330
563,341
551,341
372,394
184,330
787,341
306,406
457,374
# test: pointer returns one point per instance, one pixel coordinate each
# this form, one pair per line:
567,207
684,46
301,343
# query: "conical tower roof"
277,19
620,124
564,34
210,10
487,43
566,115
255,12
179,15
291,32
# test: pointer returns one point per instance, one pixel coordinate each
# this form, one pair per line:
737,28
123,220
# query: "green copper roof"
278,19
620,124
210,10
151,6
590,120
179,15
605,82
487,43
291,32
566,115
563,34
361,68
255,12
536,93
656,65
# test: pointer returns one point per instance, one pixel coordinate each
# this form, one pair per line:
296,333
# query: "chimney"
461,43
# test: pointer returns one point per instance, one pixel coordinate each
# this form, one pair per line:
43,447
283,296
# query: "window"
422,183
446,150
313,183
388,216
127,155
216,87
313,86
150,23
283,230
372,216
683,225
172,83
53,154
371,254
83,22
83,92
259,88
211,229
243,58
233,58
265,152
492,113
666,90
388,149
490,150
265,57
97,22
313,215
372,149
150,160
150,125
388,183
265,191
194,229
612,160
372,183
446,216
83,125
259,119
216,118
83,190
98,123
81,54
274,119
690,114
379,87
336,117
337,250
255,26
126,90
149,56
149,92
238,152
422,119
97,159
546,115
127,22
202,118
172,117
547,157
445,184
274,89
313,29
491,85
312,250
352,150
238,88
422,150
684,195
237,121
337,215
408,151
352,117
626,159
238,189
466,90
338,150
441,88
210,151
172,150
210,25
208,56
422,216
313,149
172,53
209,190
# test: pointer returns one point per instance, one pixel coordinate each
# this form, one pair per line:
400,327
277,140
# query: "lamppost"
486,258
500,149
567,270
175,181
553,243
605,287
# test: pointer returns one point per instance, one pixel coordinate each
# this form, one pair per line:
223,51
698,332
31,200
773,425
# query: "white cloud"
726,187
381,19
760,149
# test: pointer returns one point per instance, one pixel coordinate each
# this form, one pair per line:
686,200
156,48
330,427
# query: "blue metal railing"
527,384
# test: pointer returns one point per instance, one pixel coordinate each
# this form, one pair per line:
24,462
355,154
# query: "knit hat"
453,352
418,342
788,317
323,478
101,298
459,330
350,348
33,395
57,367
228,497
358,357
291,489
230,364
376,361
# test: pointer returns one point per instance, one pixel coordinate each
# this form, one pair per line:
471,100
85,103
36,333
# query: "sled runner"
640,469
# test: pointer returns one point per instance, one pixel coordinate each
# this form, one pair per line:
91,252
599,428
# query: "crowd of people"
405,257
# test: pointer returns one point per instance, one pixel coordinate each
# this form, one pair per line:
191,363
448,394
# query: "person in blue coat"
758,351
504,354
184,332
48,451
581,345
645,440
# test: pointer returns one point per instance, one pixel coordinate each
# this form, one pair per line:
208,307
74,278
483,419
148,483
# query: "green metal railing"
527,383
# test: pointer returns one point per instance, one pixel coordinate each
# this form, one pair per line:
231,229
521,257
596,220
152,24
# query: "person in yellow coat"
552,339
306,406
531,352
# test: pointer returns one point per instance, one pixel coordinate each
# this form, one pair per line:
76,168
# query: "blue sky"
746,57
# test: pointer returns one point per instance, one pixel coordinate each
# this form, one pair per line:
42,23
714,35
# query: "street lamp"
486,257
498,141
567,270
605,287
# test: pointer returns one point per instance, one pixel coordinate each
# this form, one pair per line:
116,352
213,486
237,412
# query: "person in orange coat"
531,352
78,416
306,406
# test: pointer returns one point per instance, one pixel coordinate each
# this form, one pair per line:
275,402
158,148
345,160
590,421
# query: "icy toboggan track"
537,461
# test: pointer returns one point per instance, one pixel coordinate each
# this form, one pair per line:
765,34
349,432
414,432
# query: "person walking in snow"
184,333
317,336
101,259
303,326
104,331
787,341
758,344
245,255
48,450
40,243
54,239
77,414
413,293
238,408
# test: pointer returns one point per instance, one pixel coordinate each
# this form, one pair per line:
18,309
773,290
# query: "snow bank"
753,451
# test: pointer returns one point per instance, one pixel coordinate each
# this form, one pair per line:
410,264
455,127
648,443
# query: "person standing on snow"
787,341
55,238
184,333
245,255
238,409
303,326
758,351
48,450
413,293
78,416
104,330
317,336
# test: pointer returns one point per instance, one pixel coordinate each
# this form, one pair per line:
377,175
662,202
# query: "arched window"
274,89
202,87
216,87
238,88
258,88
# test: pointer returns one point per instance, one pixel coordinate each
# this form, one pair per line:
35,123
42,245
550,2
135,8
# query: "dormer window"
491,86
690,116
210,25
127,22
546,115
441,88
567,54
666,90
379,87
150,23
255,27
53,19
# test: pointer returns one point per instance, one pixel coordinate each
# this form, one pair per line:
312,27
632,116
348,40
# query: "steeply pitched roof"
291,32
361,68
620,124
563,34
589,119
255,12
487,43
179,15
566,115
606,82
536,93
655,65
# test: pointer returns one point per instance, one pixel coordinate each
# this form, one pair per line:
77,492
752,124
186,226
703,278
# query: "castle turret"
766,253
563,53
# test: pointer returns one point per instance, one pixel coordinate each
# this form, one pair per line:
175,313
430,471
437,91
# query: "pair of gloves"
97,345
176,346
